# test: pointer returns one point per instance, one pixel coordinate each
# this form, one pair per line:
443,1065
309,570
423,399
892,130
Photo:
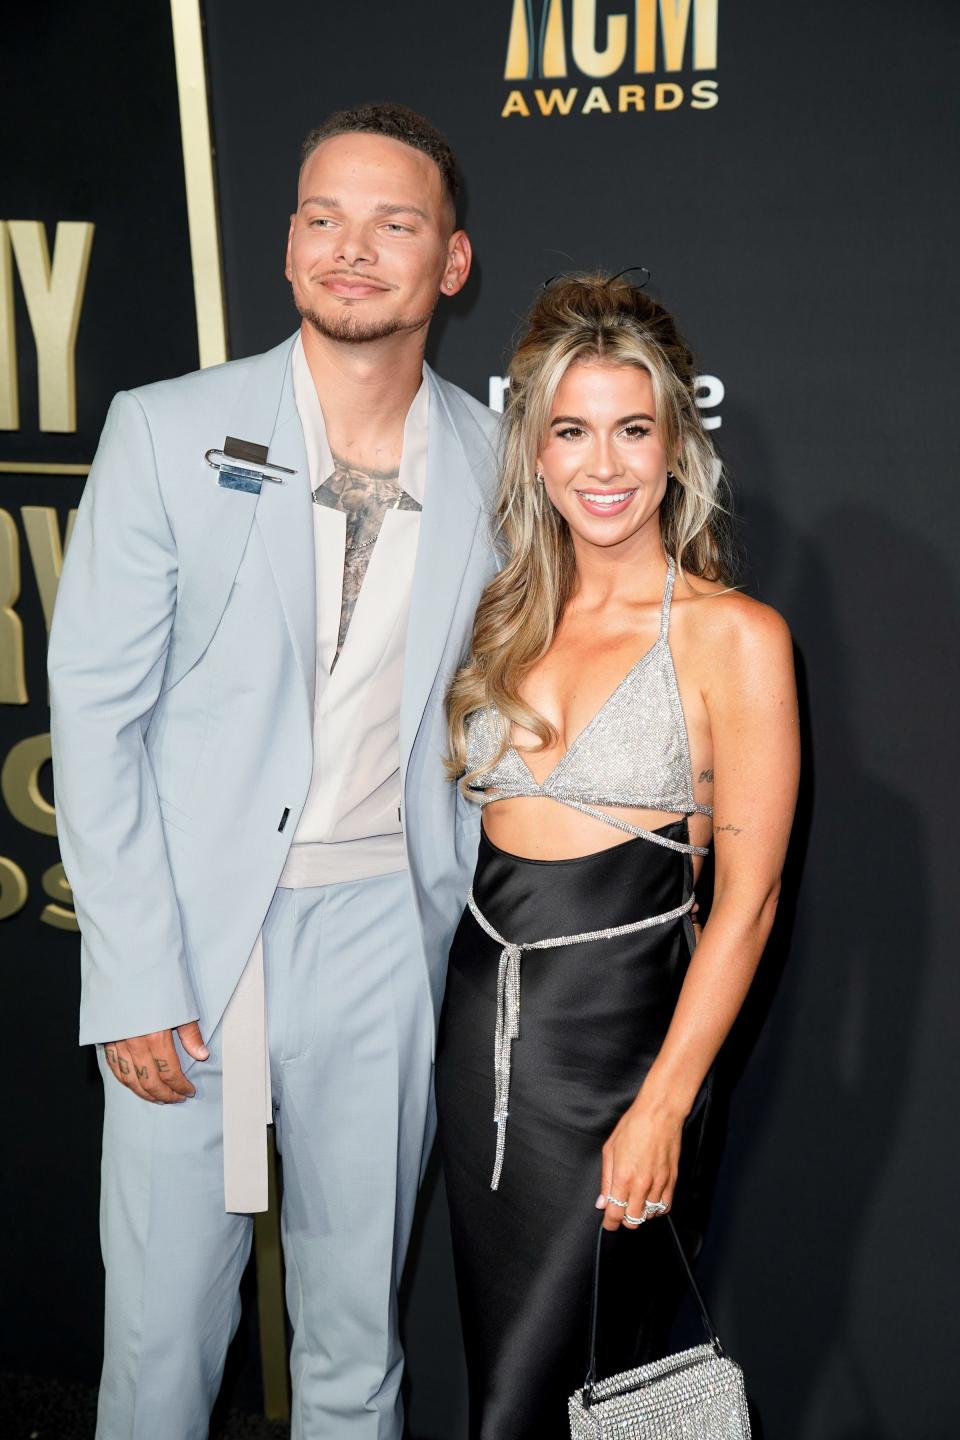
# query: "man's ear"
287,264
459,261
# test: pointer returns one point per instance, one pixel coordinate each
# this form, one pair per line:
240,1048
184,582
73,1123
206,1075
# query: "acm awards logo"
631,52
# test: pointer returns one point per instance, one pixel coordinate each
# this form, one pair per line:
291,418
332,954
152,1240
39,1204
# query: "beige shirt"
350,827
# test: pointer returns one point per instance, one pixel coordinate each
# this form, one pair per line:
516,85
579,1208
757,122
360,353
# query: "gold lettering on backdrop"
703,95
13,888
645,36
60,914
668,95
663,32
20,785
674,22
520,43
46,551
54,296
596,100
553,57
515,105
631,97
586,55
705,34
554,100
9,397
519,64
13,684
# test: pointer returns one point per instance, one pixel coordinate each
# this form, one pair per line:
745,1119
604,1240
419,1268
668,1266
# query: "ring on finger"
612,1200
654,1207
633,1220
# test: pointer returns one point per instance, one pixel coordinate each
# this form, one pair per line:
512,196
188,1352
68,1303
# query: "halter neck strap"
667,599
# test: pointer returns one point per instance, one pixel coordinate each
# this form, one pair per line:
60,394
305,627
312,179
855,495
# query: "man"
242,658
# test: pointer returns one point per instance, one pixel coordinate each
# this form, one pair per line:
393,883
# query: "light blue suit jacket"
182,672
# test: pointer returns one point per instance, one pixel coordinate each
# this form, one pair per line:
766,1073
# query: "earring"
670,475
538,477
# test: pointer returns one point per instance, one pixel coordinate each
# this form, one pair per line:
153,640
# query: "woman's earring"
670,475
538,477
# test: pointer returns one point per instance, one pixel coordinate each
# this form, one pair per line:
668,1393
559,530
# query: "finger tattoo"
124,1065
111,1055
142,1071
160,1064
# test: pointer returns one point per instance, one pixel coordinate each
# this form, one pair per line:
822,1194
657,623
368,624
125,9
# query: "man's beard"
351,329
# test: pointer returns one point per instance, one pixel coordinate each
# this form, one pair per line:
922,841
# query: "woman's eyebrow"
577,420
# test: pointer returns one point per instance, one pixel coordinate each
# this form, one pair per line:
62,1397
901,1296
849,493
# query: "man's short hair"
396,122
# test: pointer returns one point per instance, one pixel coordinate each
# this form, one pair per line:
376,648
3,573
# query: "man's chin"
348,328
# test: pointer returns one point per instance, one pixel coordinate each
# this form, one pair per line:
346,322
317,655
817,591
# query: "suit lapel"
284,519
452,509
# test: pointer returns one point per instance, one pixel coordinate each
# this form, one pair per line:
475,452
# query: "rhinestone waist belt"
508,1001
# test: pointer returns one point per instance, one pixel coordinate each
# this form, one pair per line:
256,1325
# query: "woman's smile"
605,502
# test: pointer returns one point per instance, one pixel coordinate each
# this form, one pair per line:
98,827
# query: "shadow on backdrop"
831,1037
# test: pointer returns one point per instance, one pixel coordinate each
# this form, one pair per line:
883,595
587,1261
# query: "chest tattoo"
364,496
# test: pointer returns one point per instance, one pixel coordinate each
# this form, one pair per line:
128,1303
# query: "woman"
622,706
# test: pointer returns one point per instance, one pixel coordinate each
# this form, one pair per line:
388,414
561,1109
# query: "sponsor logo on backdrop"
708,395
647,58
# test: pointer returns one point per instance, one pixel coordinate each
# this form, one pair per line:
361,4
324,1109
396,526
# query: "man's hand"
149,1066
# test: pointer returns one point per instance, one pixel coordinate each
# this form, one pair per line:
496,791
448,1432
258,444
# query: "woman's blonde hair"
581,318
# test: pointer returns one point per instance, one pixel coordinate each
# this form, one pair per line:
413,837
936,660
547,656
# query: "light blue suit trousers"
350,1033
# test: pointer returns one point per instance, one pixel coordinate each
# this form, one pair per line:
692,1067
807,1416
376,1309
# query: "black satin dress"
593,1017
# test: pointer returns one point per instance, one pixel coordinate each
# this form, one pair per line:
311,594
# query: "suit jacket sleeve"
108,647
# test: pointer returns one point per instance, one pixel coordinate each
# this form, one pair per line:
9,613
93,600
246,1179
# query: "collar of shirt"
413,469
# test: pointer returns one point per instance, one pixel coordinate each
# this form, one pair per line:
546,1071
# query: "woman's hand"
640,1163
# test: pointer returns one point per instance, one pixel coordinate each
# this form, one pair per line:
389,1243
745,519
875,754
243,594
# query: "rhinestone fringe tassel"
508,1001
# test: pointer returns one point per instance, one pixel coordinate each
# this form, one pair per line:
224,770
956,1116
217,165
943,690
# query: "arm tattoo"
734,829
706,775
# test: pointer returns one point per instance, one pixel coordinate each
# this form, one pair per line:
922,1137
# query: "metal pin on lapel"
243,465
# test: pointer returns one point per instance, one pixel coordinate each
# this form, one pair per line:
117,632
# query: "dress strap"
628,829
508,999
667,599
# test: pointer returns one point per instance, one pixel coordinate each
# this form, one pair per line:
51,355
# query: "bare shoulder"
731,633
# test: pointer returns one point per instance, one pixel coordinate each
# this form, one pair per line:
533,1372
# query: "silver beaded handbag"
697,1394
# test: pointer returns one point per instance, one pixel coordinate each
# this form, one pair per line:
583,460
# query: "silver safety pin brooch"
244,466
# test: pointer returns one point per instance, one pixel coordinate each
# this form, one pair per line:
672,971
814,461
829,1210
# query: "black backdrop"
803,229
89,132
